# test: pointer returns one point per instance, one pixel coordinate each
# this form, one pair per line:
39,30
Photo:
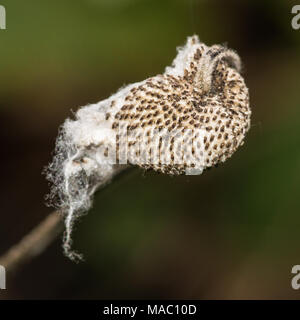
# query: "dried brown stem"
33,243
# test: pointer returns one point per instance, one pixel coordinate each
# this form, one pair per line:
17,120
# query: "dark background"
232,232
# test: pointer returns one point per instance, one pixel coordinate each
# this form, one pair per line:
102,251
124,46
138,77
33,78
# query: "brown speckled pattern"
218,117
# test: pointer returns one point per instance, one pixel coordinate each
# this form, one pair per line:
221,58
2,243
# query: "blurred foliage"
229,233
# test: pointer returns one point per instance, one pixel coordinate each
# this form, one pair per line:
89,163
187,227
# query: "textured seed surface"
209,99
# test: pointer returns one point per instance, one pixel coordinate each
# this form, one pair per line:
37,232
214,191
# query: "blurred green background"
232,232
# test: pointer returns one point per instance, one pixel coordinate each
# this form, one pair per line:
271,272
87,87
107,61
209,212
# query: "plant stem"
36,241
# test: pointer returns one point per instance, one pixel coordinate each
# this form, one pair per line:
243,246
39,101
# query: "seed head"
193,116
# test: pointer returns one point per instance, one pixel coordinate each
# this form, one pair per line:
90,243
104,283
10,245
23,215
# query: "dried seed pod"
193,116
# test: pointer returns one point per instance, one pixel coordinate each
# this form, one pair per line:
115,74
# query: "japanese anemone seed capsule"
193,116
